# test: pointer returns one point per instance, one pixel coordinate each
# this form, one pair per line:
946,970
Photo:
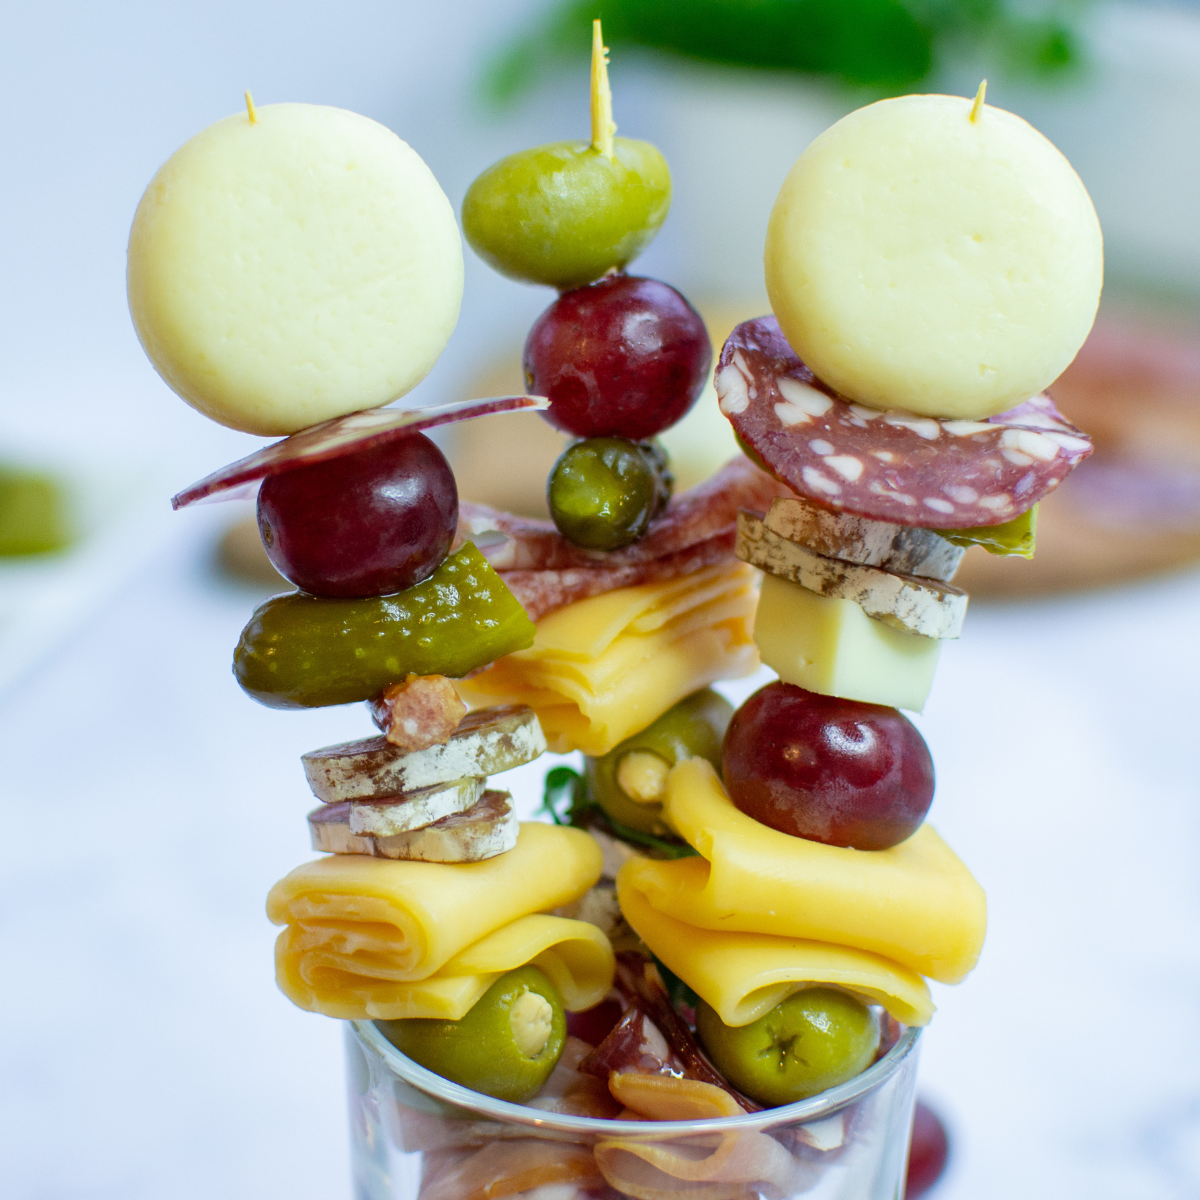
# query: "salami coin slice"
888,465
350,434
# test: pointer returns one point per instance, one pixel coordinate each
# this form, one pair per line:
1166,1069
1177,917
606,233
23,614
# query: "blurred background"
144,1050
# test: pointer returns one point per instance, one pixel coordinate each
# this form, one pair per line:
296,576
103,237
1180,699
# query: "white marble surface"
148,806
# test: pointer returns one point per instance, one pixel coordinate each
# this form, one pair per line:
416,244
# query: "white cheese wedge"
900,548
293,264
922,606
485,830
831,646
936,255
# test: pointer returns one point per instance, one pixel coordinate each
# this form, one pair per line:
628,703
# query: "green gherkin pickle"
566,213
301,651
1016,537
506,1045
693,728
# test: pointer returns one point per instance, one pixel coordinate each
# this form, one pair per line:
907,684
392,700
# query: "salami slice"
546,572
541,592
341,435
891,466
702,512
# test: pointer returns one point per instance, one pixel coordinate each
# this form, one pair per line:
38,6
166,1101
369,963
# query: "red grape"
927,1152
831,770
366,524
625,357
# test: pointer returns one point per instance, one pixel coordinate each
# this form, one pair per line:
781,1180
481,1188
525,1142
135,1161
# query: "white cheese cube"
831,646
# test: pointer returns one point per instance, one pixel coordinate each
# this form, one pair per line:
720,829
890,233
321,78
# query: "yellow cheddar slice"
318,970
603,668
915,904
744,975
404,920
829,645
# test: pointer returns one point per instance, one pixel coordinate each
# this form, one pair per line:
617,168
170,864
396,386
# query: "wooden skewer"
603,126
977,107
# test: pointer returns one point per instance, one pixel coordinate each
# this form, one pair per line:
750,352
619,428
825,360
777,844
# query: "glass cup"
416,1136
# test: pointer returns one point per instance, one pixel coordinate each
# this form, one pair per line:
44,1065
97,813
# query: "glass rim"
815,1108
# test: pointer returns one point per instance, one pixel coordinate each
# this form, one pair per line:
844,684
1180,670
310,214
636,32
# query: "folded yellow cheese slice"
744,975
319,969
603,668
915,904
403,921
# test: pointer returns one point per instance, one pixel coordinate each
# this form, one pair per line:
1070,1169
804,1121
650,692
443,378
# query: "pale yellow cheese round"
918,259
294,268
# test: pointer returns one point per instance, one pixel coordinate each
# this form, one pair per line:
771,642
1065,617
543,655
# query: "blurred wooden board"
1133,508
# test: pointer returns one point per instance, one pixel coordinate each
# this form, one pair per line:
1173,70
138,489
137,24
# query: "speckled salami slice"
342,435
697,515
890,466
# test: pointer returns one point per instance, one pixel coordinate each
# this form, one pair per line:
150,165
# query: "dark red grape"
366,524
831,770
594,1025
927,1152
625,357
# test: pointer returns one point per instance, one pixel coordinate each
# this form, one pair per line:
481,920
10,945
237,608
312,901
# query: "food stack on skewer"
738,910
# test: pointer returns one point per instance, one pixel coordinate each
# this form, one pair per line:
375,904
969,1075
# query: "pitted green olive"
565,214
506,1045
813,1041
630,780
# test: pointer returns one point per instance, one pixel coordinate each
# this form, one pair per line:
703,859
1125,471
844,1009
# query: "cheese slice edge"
745,975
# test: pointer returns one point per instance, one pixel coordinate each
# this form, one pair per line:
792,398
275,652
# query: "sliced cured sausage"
702,512
546,572
891,466
541,592
331,439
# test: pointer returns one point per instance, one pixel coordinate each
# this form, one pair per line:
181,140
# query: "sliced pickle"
1017,537
301,651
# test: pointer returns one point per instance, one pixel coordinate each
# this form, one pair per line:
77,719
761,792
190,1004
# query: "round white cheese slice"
923,259
294,267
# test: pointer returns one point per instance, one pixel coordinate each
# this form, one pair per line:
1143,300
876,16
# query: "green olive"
565,214
506,1045
811,1042
623,781
604,492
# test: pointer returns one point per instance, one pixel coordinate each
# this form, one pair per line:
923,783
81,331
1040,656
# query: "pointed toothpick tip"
251,111
977,107
603,126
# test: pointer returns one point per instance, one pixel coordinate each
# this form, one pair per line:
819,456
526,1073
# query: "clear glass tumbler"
416,1136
